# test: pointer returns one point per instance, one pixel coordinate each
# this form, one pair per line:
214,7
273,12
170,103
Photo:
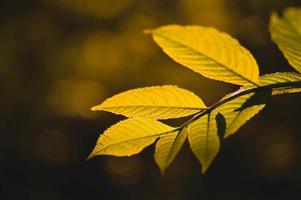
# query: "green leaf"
209,52
204,140
294,79
286,32
129,137
168,147
157,102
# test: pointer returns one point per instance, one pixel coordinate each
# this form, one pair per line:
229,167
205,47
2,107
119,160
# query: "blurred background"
60,57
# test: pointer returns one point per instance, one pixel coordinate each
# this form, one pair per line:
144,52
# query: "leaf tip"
92,155
162,171
95,108
274,16
204,169
159,164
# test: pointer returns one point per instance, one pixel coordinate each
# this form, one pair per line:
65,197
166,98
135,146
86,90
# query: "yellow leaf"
129,137
239,110
168,147
282,77
157,102
203,139
209,52
286,32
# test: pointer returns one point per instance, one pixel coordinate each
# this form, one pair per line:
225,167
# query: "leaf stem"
237,94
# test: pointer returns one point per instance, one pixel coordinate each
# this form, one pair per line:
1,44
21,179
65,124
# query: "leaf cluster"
214,55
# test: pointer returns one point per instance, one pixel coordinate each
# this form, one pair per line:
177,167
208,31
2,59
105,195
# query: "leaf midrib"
151,106
134,139
172,149
207,135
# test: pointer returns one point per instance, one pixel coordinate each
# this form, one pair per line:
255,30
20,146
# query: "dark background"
60,57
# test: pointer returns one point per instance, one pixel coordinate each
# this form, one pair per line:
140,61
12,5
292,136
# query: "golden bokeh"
76,97
96,8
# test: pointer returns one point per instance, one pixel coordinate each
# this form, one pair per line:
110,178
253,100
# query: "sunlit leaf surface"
203,139
209,52
129,137
239,110
157,102
168,147
286,32
282,77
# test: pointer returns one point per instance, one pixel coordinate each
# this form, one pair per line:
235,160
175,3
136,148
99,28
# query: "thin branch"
198,115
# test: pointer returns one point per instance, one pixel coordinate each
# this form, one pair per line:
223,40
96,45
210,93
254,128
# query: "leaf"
157,102
282,77
129,137
204,140
286,33
209,52
168,147
241,109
